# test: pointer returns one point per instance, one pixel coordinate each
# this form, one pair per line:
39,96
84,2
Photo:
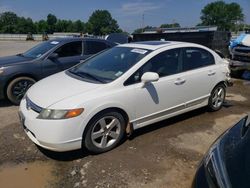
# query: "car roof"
151,45
71,39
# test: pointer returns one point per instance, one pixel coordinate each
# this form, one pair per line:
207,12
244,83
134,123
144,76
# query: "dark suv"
19,72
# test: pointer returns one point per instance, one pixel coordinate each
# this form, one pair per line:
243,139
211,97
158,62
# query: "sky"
128,13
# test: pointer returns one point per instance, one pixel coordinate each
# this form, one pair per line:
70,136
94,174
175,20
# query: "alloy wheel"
218,97
20,88
106,132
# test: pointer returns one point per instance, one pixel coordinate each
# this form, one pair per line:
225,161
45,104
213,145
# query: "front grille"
242,50
32,106
241,58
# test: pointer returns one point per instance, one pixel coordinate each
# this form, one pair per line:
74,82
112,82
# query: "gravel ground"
165,154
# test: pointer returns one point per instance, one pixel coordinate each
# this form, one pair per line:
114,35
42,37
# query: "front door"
157,99
69,55
92,47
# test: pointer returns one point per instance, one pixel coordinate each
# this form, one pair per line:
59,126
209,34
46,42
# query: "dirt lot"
164,154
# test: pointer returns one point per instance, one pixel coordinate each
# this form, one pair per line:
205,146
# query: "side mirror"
149,77
53,56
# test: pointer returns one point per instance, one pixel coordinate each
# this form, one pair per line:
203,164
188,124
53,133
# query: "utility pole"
142,22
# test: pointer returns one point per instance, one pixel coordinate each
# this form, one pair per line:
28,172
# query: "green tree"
140,30
70,26
137,31
244,27
173,25
221,14
102,23
61,25
8,22
51,21
25,26
41,26
79,26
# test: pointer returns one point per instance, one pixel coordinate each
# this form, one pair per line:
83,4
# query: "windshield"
109,65
40,49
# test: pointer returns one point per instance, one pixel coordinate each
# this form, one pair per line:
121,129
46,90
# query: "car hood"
10,60
58,87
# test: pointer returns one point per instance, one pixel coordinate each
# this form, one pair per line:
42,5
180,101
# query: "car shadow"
173,120
153,93
5,103
64,156
167,122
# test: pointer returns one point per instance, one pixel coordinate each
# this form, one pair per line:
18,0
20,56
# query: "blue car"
19,72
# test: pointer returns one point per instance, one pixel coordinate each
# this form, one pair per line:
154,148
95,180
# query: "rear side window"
93,47
70,49
194,58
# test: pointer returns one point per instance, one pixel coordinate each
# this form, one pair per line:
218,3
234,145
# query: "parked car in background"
227,163
19,72
240,55
135,84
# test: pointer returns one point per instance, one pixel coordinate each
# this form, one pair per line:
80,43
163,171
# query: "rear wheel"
217,98
18,87
104,132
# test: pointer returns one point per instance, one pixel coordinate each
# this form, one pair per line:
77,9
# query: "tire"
17,88
99,137
217,98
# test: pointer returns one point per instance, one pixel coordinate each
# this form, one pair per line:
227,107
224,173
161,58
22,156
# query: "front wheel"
104,132
18,87
217,98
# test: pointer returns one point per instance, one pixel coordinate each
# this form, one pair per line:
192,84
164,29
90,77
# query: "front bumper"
55,135
239,65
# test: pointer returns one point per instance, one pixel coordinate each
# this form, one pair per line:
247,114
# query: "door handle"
211,73
179,81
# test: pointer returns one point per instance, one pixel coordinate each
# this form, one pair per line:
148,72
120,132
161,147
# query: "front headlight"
59,114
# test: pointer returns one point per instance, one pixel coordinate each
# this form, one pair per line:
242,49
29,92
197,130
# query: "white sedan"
132,85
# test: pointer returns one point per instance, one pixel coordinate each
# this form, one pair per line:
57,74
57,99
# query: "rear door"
92,47
198,73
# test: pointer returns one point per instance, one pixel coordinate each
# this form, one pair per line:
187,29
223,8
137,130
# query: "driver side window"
166,63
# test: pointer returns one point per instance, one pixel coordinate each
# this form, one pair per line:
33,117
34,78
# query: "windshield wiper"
85,74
